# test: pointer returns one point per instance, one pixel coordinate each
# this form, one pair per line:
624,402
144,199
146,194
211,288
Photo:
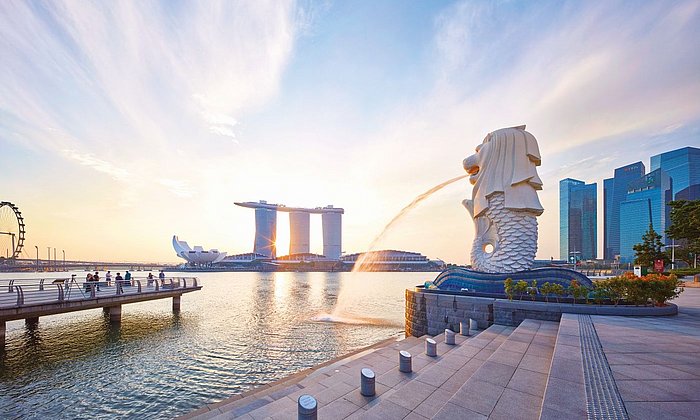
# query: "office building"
614,193
578,208
683,166
644,205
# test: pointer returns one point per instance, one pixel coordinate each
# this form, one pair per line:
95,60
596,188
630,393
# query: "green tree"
685,228
650,249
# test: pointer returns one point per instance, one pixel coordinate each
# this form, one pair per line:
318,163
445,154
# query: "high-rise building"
644,205
578,222
683,166
614,193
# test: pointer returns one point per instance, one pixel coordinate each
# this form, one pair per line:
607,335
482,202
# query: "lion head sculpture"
504,202
506,162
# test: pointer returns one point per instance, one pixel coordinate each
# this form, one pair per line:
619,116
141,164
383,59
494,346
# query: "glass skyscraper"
683,166
578,222
645,205
614,193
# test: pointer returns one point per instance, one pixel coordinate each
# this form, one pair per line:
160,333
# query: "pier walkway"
30,299
584,367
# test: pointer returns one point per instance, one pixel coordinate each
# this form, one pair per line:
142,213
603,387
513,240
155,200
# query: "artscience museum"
196,256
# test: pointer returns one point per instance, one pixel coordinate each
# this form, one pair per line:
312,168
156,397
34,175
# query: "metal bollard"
367,382
430,347
405,364
307,408
449,337
464,328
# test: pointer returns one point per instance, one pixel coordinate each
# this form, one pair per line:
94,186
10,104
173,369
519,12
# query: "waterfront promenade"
581,367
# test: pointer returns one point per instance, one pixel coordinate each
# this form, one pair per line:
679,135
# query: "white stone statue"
504,202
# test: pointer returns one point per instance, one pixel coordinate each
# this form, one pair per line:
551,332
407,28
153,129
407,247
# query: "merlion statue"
504,202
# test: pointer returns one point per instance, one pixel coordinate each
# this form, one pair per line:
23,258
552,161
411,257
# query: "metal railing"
27,292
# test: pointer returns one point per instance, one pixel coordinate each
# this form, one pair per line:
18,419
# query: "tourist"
88,277
150,279
96,278
108,277
127,277
161,276
118,281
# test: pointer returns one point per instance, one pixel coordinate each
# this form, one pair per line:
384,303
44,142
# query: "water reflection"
241,330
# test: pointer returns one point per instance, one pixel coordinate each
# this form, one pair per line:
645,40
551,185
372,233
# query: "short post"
367,382
464,328
405,364
31,322
430,347
307,407
449,337
176,303
3,328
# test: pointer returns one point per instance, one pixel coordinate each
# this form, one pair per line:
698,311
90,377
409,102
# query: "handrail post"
184,282
139,284
9,286
61,296
41,285
92,290
157,284
20,296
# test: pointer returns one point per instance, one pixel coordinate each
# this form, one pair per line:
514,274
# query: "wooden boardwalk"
30,299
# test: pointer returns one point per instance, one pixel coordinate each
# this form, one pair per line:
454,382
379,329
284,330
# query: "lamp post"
673,247
55,266
48,257
37,257
64,259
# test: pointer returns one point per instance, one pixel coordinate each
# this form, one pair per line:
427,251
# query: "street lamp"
55,266
37,257
48,257
64,259
673,247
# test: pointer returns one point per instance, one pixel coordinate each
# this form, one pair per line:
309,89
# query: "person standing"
161,277
127,276
119,282
108,278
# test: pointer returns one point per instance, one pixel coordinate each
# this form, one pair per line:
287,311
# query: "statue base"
457,279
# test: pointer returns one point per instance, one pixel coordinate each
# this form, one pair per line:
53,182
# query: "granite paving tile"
337,409
452,412
530,382
495,373
516,405
564,399
506,357
663,410
387,410
431,405
535,363
412,394
478,396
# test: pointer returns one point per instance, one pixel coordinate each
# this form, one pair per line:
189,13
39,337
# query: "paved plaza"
581,367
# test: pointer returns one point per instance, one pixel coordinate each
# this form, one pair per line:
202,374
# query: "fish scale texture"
516,239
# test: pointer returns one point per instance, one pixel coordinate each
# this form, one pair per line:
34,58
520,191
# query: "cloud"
87,159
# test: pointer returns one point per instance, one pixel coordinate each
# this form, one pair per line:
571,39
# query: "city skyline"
123,124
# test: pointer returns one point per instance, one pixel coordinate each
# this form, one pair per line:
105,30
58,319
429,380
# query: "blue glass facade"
645,204
578,221
682,165
614,193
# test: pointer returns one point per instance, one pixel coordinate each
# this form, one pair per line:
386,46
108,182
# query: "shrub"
558,290
546,290
520,288
532,290
662,288
577,291
508,288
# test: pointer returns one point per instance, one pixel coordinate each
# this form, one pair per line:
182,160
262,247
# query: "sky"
124,123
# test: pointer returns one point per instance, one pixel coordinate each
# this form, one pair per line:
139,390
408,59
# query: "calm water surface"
239,331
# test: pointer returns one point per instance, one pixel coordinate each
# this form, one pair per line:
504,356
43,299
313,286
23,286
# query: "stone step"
429,389
565,393
511,382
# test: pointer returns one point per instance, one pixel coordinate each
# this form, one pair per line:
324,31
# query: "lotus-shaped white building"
197,255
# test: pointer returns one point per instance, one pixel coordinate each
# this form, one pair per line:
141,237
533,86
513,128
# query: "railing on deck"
16,293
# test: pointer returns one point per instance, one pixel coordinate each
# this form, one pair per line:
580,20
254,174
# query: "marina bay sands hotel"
299,228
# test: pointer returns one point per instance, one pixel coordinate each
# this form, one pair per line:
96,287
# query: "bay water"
240,331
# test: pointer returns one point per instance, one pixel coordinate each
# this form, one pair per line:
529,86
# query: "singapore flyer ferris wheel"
11,231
